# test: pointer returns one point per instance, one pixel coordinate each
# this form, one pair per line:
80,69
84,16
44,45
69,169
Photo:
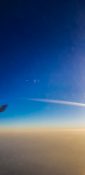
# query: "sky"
42,56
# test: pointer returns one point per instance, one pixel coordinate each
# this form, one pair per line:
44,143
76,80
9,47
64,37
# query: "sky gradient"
42,55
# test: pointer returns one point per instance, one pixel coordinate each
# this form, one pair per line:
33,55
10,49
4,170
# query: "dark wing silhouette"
3,107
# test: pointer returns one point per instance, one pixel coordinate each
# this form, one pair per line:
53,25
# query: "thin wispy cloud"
62,102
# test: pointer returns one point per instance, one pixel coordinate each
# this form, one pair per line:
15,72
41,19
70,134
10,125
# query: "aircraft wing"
3,107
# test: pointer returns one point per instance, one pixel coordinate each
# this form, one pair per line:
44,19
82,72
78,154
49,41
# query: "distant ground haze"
59,152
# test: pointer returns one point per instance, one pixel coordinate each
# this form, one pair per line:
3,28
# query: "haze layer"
43,153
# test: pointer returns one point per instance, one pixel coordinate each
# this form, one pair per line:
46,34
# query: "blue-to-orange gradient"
42,55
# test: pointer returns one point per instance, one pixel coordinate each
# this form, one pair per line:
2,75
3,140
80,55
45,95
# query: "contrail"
69,103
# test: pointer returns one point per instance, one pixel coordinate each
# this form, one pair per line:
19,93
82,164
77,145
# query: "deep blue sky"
42,55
